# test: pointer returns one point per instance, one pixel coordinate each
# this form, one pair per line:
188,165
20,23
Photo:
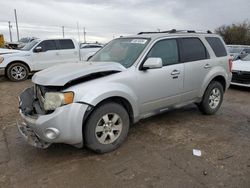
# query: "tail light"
230,64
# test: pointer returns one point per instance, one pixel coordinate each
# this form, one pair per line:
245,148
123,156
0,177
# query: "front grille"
242,77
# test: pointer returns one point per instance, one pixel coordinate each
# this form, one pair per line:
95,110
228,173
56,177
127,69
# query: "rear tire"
17,72
107,128
212,98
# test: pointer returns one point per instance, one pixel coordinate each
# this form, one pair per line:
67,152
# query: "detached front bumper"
30,136
64,125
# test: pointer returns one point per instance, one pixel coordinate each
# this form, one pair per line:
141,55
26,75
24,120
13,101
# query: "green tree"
235,33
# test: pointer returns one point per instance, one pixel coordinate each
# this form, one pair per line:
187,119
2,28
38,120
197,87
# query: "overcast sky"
105,19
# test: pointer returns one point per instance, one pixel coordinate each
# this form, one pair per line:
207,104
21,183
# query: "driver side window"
48,45
167,50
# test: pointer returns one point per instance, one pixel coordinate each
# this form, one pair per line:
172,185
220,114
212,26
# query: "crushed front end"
41,128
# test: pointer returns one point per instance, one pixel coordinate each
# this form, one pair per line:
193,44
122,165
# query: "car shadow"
5,79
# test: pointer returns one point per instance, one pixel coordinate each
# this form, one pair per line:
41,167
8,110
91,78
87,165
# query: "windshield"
247,58
30,45
234,50
24,40
123,50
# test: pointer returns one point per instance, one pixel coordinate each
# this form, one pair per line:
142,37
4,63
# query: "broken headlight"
53,100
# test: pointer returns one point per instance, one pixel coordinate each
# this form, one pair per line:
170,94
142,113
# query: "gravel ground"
157,153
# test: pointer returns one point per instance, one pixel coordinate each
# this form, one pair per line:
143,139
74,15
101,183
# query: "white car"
39,55
241,72
89,49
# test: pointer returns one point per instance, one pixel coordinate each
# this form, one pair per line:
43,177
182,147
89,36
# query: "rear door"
49,56
162,87
68,52
197,65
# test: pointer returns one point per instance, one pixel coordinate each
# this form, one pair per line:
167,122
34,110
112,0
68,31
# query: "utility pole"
63,31
10,26
84,35
78,32
17,31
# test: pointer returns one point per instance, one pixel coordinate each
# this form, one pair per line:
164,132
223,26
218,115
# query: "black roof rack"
173,31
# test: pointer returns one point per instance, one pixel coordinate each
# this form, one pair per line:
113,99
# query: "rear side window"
66,44
192,49
167,50
217,46
48,45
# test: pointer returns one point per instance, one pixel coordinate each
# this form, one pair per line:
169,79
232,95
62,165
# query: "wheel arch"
17,61
221,79
216,77
116,99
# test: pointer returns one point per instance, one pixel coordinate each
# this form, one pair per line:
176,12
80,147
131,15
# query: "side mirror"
152,63
38,49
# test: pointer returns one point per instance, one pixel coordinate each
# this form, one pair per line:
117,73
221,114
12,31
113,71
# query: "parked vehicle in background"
238,51
19,44
130,78
39,55
241,72
89,49
26,40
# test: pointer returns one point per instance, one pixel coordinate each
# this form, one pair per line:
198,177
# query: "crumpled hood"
8,51
240,65
65,73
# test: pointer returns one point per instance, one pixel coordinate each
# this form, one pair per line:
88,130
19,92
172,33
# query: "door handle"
57,53
207,66
175,72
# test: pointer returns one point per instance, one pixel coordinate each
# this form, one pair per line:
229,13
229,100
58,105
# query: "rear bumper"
65,124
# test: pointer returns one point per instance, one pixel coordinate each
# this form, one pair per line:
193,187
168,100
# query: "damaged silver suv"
93,104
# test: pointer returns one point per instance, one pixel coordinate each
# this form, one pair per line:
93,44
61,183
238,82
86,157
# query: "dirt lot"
157,153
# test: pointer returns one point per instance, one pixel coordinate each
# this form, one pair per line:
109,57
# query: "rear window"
66,44
192,49
217,46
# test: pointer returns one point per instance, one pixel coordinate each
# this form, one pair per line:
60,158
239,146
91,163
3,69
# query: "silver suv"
93,104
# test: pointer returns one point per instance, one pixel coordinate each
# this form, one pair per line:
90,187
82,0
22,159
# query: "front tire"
107,128
212,98
17,72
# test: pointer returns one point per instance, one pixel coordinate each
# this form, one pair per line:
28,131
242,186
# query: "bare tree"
235,33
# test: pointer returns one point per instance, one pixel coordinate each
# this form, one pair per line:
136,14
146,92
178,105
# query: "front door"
49,56
162,87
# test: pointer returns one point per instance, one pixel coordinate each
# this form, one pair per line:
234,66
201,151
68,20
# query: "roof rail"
173,31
